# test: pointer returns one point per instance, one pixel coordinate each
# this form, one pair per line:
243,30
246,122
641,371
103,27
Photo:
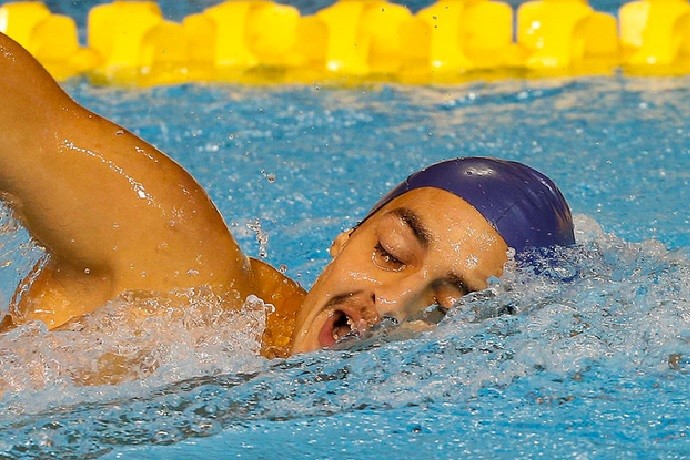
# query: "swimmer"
440,234
115,215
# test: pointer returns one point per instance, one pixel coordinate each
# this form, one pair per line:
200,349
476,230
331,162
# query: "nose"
402,298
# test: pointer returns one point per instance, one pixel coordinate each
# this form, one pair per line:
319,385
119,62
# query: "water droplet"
261,236
270,177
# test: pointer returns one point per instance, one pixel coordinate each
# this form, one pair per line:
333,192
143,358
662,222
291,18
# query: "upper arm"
100,198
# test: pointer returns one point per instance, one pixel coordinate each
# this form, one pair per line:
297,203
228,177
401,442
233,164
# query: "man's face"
424,247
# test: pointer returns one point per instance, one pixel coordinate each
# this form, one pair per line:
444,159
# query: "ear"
339,242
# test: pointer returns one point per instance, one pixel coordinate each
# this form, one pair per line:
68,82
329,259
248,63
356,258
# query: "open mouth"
338,327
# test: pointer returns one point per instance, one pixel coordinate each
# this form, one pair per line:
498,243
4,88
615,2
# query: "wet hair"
523,205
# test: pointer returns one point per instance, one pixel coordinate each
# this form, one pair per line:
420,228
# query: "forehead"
440,211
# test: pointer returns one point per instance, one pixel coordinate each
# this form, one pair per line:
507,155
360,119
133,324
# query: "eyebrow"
412,220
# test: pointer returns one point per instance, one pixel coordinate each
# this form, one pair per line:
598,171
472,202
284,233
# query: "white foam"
40,368
609,303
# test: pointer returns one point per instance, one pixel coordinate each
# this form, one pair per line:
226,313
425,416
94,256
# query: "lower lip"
326,339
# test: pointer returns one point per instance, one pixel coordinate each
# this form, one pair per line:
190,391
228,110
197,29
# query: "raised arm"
113,212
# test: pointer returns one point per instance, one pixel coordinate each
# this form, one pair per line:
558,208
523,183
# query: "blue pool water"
592,367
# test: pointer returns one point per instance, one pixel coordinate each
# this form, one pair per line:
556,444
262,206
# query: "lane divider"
260,41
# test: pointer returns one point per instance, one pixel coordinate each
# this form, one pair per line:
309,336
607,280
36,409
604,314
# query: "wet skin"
117,215
425,247
113,213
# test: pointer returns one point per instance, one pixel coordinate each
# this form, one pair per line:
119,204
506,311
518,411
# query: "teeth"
344,329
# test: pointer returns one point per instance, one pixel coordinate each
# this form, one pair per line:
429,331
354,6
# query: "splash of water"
134,342
542,333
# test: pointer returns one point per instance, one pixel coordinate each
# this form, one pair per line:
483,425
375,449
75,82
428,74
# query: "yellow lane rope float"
259,41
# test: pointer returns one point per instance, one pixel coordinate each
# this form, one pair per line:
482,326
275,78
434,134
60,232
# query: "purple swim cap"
523,205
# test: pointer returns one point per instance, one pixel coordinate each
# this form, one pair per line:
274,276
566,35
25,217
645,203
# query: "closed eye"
385,260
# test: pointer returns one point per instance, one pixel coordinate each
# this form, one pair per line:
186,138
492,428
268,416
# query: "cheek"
471,261
354,274
342,272
330,274
480,243
479,253
467,247
491,263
